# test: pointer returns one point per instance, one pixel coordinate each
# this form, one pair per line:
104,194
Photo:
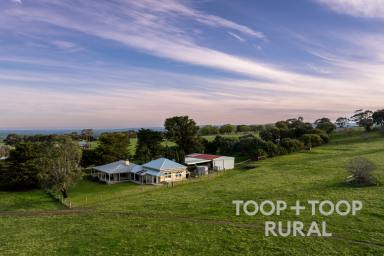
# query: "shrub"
292,145
361,172
326,126
248,146
271,149
270,134
323,135
282,150
208,130
312,140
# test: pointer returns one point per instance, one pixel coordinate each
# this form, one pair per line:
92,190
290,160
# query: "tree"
257,128
183,131
21,170
4,151
243,128
227,129
12,139
250,146
90,157
175,153
221,145
341,121
378,117
282,125
148,145
271,134
75,136
59,166
208,130
87,134
113,147
325,124
292,145
363,118
312,140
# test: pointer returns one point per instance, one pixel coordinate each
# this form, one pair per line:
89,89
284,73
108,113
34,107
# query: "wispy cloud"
172,6
67,46
236,36
358,8
137,25
17,1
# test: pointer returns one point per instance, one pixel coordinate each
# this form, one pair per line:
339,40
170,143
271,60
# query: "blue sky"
121,63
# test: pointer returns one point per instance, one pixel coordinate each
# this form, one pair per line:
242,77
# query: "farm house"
158,171
115,172
205,162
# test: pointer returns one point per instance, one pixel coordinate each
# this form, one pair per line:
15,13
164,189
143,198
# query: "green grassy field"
199,218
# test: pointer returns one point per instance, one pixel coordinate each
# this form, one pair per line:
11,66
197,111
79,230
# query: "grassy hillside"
199,218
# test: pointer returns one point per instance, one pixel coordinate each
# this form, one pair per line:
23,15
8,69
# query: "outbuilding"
212,162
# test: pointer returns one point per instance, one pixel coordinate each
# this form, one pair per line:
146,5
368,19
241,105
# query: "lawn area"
27,201
199,218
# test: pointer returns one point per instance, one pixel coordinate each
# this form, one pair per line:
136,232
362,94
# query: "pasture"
198,218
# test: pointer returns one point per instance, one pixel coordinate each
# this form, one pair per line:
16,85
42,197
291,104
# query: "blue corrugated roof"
163,164
116,167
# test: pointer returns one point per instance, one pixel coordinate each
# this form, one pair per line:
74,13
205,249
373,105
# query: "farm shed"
213,162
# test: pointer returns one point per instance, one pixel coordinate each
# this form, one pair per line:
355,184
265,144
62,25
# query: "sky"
133,63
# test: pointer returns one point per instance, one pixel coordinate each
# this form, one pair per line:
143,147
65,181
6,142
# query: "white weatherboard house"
158,171
217,163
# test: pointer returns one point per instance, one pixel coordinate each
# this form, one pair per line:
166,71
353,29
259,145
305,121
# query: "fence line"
59,198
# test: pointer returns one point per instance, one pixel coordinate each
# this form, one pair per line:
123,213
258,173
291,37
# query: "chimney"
126,162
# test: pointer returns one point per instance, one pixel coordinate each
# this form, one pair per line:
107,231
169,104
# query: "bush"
208,130
361,172
323,135
282,150
248,146
292,145
312,140
271,149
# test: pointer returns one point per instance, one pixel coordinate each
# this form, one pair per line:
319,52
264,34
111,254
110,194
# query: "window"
168,175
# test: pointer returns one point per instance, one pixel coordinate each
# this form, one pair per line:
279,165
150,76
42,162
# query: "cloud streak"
357,8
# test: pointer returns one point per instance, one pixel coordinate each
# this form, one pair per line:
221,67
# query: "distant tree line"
230,129
281,138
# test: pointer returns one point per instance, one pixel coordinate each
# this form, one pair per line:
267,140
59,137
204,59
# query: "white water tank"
201,170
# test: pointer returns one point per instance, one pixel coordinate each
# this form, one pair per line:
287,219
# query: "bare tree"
361,171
